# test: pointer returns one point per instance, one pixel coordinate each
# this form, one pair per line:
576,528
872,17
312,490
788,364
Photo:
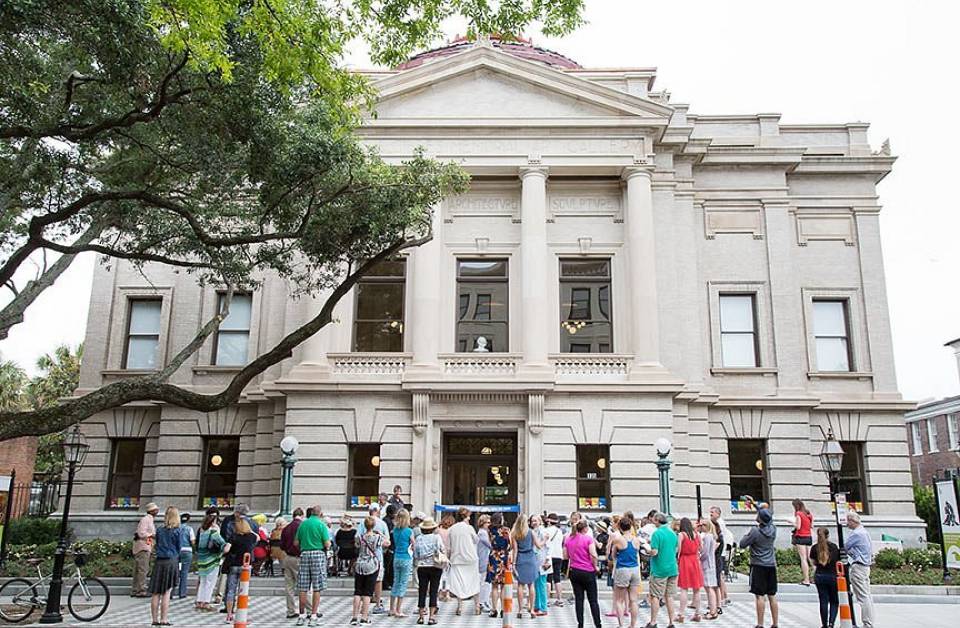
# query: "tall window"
126,470
233,336
748,473
953,430
586,322
218,479
852,479
378,323
831,330
143,334
738,333
364,481
917,441
932,434
593,477
482,312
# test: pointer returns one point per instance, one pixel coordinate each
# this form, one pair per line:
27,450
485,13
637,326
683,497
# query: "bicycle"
87,600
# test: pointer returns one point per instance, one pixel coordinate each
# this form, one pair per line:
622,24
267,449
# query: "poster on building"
949,521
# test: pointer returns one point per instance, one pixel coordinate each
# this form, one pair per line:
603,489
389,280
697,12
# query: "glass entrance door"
480,469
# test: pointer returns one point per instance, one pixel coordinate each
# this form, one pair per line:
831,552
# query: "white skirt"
463,581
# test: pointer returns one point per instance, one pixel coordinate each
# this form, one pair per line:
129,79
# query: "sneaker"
292,615
378,610
301,620
354,621
313,621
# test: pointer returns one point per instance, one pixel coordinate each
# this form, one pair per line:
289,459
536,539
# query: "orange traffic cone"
844,614
507,597
243,595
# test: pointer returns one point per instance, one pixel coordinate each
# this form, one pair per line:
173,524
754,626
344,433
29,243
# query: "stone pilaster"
645,331
534,453
423,270
534,259
421,466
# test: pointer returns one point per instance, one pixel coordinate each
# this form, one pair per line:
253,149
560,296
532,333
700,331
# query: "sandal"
432,621
696,617
420,620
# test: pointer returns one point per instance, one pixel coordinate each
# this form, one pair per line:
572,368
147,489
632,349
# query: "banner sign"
454,508
841,501
949,517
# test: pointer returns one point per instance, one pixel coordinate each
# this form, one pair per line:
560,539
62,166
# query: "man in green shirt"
313,539
663,569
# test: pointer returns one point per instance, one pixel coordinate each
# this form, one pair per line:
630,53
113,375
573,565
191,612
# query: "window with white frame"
932,434
917,441
142,348
738,331
831,332
233,336
953,430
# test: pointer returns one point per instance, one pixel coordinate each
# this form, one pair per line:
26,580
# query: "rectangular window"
218,479
482,312
233,336
593,477
378,322
143,334
932,435
917,441
364,480
831,331
747,460
853,479
126,470
953,430
738,333
586,322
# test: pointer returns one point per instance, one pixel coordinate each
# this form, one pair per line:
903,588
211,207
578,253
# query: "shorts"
763,580
626,577
803,540
364,585
559,569
721,567
663,587
313,571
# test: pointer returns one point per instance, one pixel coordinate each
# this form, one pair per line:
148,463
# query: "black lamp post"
663,468
74,453
288,447
831,457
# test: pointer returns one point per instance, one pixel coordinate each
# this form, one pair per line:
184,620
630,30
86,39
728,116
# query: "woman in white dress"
463,579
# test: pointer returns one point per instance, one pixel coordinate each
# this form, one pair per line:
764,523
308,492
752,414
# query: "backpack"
368,562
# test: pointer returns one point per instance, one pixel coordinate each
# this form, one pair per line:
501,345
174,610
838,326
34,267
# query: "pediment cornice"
565,84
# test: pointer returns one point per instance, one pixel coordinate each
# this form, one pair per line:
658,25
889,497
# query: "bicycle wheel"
17,600
88,599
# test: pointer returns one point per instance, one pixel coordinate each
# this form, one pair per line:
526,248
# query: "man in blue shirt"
859,550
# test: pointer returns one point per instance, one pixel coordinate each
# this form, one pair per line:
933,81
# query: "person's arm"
537,541
747,539
566,555
593,556
796,522
326,538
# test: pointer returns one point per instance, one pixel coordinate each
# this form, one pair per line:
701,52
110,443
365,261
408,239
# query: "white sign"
949,521
4,483
841,499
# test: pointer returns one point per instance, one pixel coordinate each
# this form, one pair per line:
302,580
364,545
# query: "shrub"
34,531
929,558
787,557
889,558
926,508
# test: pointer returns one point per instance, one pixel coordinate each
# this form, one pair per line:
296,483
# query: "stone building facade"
934,434
621,270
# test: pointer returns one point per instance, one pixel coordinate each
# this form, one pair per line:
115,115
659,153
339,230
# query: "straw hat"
428,524
151,507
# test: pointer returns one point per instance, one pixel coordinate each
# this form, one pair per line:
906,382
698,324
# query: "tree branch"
59,417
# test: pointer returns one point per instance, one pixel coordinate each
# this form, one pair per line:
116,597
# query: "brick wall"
925,464
19,454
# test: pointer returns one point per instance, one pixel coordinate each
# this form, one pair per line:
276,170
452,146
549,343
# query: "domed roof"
518,47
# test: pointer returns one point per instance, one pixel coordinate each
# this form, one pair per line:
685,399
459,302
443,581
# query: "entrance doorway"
480,469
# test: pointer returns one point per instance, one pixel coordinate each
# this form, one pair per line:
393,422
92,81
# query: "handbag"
440,559
362,566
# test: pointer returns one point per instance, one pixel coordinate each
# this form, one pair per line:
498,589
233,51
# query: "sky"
892,64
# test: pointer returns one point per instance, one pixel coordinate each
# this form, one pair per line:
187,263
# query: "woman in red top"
691,573
803,537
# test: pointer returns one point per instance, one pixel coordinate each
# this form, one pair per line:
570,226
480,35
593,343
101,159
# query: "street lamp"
663,467
75,450
831,458
288,447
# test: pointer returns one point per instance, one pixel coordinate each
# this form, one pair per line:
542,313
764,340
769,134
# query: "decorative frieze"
368,363
600,365
479,364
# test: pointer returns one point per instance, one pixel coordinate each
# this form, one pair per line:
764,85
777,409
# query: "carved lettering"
584,203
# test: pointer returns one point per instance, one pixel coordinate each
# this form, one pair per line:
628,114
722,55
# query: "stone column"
421,466
645,332
313,356
534,257
534,454
424,319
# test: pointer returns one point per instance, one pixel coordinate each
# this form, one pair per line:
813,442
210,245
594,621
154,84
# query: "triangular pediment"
486,83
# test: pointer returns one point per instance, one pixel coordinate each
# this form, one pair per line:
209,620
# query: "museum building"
621,270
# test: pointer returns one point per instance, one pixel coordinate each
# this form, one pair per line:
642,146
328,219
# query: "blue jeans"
540,589
829,597
402,567
186,559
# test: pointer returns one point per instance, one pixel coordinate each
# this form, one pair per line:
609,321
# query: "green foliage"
924,558
889,558
926,507
103,558
13,380
33,531
788,557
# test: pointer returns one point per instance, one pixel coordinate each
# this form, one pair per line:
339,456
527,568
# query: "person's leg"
804,551
833,596
423,582
165,606
774,609
355,608
290,583
654,602
860,585
823,597
155,608
591,591
494,598
435,577
365,607
760,604
576,581
632,601
186,561
696,602
520,588
669,591
315,608
683,605
141,562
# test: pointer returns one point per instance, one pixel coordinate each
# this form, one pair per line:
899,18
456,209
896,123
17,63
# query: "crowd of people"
465,558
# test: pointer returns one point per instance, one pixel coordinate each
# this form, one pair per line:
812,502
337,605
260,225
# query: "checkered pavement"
270,612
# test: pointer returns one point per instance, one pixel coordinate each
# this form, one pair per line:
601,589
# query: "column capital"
638,170
533,170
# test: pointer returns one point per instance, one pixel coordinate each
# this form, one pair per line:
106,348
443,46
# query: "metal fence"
37,499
